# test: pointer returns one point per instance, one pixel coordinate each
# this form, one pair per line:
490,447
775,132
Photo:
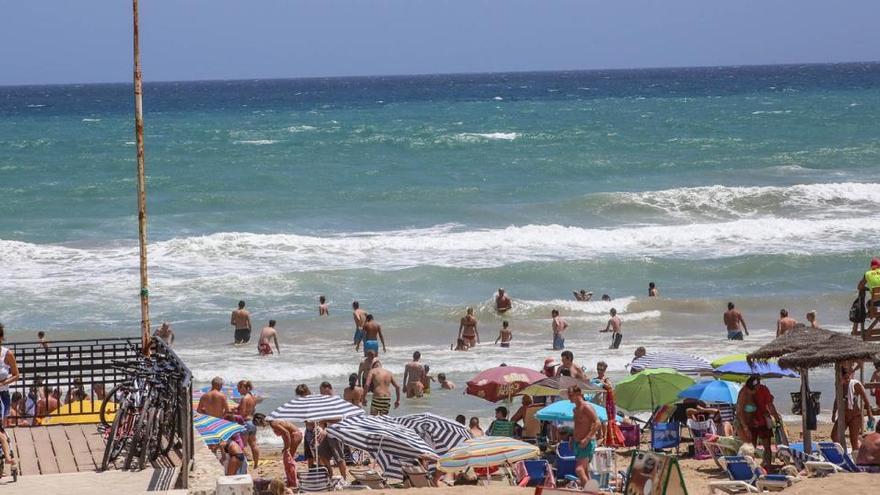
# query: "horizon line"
430,74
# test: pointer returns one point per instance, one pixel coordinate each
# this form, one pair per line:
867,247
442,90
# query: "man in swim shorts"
505,335
732,320
268,334
360,317
613,326
241,322
379,382
559,325
413,374
583,442
372,332
502,302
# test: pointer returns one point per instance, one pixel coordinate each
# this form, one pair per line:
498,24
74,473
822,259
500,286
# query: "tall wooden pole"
141,186
808,435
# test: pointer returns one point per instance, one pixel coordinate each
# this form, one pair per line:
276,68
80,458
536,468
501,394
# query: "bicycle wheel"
168,430
114,441
138,434
147,448
110,399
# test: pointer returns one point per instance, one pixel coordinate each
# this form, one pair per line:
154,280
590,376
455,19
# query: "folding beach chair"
747,477
369,478
416,477
836,460
794,455
719,447
316,479
565,464
501,428
665,436
536,472
699,430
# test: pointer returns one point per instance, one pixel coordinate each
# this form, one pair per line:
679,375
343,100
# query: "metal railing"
80,373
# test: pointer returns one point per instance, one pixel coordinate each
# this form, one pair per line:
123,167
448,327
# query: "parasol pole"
807,434
840,398
141,186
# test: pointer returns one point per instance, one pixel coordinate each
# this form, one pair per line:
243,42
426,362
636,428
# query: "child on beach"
427,378
41,337
504,335
444,383
460,345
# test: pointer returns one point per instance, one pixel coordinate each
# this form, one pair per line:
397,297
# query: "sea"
420,196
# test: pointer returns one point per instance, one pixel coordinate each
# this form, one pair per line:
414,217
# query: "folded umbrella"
502,382
215,430
718,391
316,408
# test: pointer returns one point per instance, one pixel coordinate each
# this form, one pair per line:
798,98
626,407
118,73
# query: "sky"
60,41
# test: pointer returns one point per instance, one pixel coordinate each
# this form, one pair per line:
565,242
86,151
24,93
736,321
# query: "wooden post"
141,186
840,398
808,435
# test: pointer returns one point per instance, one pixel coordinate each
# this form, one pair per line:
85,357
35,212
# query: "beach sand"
697,474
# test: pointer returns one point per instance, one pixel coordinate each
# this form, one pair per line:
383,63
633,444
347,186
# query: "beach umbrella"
650,388
316,408
765,370
79,412
502,382
718,391
684,363
389,442
215,430
557,385
727,359
440,433
486,452
563,410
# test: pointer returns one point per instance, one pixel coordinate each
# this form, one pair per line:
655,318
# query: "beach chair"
369,478
316,479
836,461
794,455
565,463
502,428
747,477
665,436
416,477
719,447
535,472
699,430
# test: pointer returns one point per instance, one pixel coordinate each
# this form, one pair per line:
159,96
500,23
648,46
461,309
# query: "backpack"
857,312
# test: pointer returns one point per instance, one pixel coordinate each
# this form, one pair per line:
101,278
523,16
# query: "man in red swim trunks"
267,334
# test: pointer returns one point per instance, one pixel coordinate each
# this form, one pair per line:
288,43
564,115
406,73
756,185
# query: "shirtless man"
502,302
811,317
613,326
49,402
559,325
165,333
445,383
214,402
785,323
360,318
573,369
323,308
467,329
241,322
413,374
583,442
652,290
582,295
732,320
353,393
268,334
365,366
291,436
373,331
380,381
505,335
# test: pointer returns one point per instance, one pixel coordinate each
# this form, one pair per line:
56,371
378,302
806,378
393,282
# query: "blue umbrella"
765,370
720,391
563,410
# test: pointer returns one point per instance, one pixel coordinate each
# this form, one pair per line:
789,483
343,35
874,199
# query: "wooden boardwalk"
60,449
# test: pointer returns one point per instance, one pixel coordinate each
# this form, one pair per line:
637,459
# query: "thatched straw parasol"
805,348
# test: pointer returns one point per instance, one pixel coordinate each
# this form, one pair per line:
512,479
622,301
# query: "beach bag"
797,407
631,435
857,313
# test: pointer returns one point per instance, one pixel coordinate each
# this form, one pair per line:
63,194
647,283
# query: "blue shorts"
371,345
558,342
358,336
250,427
734,335
583,452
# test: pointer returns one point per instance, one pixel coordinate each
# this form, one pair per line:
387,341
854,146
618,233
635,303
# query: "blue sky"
58,41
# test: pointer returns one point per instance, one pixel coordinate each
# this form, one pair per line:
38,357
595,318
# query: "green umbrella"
650,388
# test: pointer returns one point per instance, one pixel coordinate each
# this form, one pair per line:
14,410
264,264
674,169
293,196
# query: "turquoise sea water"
419,196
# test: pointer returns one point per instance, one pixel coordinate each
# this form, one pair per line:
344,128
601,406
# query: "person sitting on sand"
461,345
502,302
582,295
613,326
353,393
640,352
326,388
267,335
413,373
467,329
379,382
785,323
875,378
474,426
214,403
505,335
526,413
323,307
291,437
372,336
445,383
811,317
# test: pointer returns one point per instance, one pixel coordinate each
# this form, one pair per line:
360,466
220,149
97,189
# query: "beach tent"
804,348
439,433
316,408
684,363
390,443
652,473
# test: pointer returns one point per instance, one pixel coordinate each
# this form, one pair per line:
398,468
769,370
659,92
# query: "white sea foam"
91,120
478,136
301,128
498,98
770,112
35,106
257,142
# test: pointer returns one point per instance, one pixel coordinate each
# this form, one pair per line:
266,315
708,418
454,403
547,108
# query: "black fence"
79,373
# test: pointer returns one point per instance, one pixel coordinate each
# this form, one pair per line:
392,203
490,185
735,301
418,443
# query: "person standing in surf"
323,307
241,322
785,323
732,320
372,336
613,326
505,335
268,334
360,318
502,302
467,329
652,290
559,325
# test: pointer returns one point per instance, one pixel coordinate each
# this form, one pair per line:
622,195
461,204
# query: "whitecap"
301,128
498,98
91,120
476,136
257,142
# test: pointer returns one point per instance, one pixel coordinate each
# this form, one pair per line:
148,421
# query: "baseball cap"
875,262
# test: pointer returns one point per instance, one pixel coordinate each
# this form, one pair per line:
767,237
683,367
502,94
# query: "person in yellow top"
871,279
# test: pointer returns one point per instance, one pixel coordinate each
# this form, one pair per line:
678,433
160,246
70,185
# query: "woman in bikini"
467,329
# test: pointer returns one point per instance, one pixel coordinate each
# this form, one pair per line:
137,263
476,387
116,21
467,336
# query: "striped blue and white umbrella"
391,443
440,433
683,363
316,408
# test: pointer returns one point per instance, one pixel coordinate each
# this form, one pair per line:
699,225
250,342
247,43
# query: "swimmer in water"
582,295
323,307
505,335
502,302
